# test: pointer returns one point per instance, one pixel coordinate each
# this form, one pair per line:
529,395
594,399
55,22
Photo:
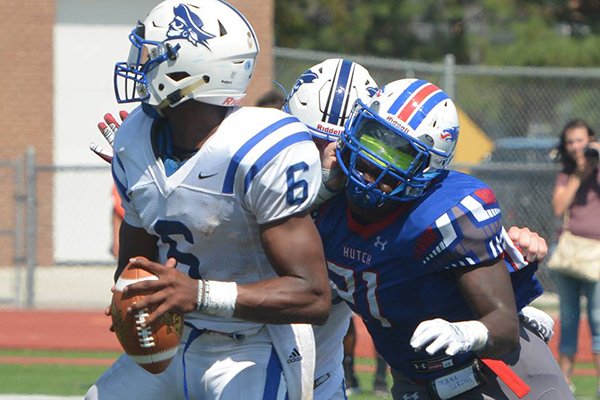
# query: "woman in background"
577,199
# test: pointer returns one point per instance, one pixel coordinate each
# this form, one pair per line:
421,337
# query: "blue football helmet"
403,138
323,96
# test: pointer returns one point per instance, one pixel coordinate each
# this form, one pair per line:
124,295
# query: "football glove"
454,337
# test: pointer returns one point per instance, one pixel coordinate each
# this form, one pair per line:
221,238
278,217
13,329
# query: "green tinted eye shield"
376,142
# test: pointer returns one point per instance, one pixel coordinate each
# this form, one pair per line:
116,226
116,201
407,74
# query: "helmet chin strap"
179,94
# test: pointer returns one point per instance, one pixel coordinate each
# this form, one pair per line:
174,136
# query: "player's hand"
333,178
532,246
539,321
108,313
174,291
454,337
108,128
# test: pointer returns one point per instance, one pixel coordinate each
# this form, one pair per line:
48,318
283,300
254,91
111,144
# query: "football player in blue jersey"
216,197
419,252
321,98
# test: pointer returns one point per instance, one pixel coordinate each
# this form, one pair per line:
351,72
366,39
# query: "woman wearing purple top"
577,195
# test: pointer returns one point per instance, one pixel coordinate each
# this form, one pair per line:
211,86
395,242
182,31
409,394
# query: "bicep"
134,242
294,248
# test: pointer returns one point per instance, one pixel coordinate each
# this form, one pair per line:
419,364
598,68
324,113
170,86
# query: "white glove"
538,320
455,337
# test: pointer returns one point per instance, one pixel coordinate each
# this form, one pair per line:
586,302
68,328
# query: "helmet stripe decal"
415,102
340,91
422,112
405,95
236,159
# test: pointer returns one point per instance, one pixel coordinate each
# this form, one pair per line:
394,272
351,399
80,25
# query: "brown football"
151,347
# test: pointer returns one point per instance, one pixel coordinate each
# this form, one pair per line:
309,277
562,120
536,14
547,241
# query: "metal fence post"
20,218
31,213
449,82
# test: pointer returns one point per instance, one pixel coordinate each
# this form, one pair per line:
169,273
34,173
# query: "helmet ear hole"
177,76
222,30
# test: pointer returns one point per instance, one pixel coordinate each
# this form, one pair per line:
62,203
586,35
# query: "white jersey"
259,166
329,338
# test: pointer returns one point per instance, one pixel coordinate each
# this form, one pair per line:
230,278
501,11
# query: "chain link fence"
520,109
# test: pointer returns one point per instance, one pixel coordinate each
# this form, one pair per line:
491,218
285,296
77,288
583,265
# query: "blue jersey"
399,272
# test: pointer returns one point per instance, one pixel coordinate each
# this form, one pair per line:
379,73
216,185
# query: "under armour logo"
379,242
414,396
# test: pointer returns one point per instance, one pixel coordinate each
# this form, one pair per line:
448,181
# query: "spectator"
577,198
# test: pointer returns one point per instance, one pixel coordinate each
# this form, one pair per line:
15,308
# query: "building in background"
57,67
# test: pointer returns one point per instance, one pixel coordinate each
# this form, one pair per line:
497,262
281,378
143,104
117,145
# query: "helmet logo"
450,135
307,77
372,91
187,25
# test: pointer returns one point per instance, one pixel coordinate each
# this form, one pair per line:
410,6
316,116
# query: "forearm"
134,242
503,332
283,300
489,293
564,196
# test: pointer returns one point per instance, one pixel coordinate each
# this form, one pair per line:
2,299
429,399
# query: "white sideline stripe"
121,282
165,355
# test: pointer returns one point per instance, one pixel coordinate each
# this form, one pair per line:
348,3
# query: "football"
152,347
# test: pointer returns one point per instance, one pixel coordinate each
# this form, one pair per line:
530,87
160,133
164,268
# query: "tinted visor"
386,145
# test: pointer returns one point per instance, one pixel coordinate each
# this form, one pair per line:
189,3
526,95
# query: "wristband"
216,298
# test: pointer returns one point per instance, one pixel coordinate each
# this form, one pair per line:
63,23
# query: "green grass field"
73,380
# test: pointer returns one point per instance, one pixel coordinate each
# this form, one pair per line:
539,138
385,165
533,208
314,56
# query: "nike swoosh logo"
200,176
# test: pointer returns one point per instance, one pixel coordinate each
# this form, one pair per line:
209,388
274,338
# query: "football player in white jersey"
217,197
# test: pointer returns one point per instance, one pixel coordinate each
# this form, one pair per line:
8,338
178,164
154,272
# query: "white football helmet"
188,49
323,96
404,136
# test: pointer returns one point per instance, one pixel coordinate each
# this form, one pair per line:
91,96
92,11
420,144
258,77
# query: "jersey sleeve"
288,181
468,234
119,174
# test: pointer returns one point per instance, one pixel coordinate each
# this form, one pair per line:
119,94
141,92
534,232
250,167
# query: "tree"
494,32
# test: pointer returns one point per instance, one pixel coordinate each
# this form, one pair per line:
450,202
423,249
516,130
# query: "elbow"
558,211
319,310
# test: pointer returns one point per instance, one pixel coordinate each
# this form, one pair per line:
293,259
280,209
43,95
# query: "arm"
565,194
299,294
134,242
488,291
